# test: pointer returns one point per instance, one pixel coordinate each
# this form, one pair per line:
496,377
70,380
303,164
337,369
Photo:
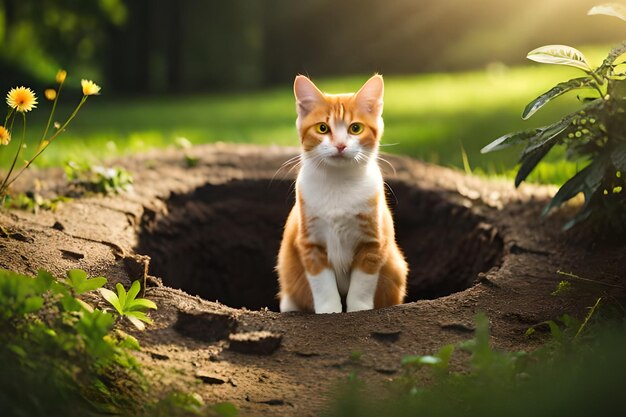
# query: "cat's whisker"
296,162
361,158
380,158
391,191
388,144
293,161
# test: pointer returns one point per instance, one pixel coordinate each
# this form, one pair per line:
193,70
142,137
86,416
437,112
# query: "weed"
562,287
98,179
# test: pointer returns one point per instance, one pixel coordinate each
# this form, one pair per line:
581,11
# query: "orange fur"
376,251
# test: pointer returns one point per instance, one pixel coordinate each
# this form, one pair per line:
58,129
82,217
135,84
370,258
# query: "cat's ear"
308,96
370,97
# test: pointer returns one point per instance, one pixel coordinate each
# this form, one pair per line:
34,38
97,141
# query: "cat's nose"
341,147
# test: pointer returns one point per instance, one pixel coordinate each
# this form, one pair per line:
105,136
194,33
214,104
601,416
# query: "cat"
339,241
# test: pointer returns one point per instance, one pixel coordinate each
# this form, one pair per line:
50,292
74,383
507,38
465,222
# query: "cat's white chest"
332,206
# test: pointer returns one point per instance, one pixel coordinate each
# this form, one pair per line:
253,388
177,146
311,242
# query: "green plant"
34,202
98,179
184,144
128,305
596,134
21,100
570,375
58,355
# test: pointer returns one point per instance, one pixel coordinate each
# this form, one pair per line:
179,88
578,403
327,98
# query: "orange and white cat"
339,240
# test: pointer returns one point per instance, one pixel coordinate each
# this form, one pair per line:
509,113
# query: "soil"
211,232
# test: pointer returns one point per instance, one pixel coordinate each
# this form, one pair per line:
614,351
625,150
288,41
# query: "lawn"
434,117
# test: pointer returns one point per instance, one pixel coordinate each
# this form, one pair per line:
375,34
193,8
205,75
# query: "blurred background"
208,70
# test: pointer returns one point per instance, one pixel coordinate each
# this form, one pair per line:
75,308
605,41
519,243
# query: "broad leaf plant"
595,134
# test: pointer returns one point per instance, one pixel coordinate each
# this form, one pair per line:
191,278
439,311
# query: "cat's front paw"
329,307
359,305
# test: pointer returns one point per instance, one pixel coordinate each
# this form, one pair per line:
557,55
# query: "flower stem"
6,120
67,122
54,106
6,182
41,148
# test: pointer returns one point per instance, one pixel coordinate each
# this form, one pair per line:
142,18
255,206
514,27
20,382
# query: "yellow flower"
5,136
22,99
89,87
50,93
61,74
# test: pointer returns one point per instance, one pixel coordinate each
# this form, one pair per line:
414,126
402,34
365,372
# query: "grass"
577,372
433,117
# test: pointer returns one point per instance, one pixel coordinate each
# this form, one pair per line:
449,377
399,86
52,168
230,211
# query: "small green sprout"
128,305
562,287
98,179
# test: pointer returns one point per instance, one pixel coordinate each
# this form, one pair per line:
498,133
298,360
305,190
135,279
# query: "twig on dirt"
589,315
592,281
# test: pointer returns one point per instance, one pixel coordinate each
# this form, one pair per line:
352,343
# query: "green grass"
431,117
579,371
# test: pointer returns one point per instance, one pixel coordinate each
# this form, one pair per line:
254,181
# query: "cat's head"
339,129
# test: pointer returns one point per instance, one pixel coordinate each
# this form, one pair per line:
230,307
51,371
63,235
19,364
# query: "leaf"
225,410
618,157
44,280
555,92
560,55
530,161
537,137
411,360
71,303
132,293
81,284
445,353
92,284
586,181
127,341
547,134
140,304
510,139
429,360
609,9
121,295
32,304
87,307
139,315
76,277
137,323
555,331
112,298
582,215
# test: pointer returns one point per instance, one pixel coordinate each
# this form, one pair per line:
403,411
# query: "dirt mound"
214,229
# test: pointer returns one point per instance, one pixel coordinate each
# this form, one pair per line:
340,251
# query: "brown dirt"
213,230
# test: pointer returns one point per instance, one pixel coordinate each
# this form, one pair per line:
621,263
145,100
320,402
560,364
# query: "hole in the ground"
220,241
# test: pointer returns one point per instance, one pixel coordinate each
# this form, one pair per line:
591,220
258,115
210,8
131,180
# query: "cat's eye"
322,128
356,128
